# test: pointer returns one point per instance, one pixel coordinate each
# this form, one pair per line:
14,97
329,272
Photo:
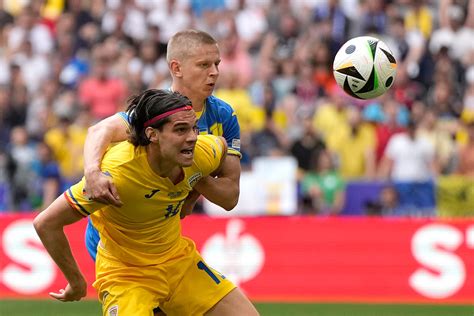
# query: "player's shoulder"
120,154
208,141
209,145
219,105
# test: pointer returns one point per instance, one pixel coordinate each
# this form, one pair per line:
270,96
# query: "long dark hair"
147,105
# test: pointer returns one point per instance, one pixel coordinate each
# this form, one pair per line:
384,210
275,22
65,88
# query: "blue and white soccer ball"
365,67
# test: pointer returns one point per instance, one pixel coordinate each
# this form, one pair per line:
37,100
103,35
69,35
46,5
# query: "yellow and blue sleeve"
77,199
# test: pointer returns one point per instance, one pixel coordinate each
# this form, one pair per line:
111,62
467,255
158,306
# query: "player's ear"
175,68
151,134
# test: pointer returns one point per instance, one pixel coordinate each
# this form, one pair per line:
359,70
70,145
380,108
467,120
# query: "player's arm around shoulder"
99,137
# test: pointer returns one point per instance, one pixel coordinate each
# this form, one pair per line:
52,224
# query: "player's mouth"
187,152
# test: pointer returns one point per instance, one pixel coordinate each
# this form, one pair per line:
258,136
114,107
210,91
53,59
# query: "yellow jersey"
146,229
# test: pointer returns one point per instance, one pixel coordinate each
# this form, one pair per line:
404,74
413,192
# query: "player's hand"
189,204
70,294
187,208
100,187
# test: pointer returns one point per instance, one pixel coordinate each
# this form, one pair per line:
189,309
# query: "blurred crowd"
64,65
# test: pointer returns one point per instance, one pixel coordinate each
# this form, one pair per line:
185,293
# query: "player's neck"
197,102
162,167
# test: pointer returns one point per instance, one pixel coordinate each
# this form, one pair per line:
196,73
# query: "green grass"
363,310
49,308
85,308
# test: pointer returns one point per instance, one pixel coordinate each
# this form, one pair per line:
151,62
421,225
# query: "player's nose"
214,70
192,136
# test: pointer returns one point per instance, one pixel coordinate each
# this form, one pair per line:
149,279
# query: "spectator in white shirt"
408,157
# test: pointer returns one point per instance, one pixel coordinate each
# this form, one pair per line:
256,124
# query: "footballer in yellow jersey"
143,261
146,231
151,201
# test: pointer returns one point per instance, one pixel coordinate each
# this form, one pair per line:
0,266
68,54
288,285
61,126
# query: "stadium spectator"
22,153
308,146
34,67
48,178
235,57
101,93
66,140
374,18
409,162
332,11
290,53
390,126
408,157
442,141
407,47
354,147
455,31
28,28
388,203
250,23
230,90
5,124
321,59
419,18
324,186
466,153
146,68
270,140
40,116
18,106
332,113
169,17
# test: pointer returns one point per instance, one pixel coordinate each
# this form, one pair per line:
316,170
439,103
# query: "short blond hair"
182,44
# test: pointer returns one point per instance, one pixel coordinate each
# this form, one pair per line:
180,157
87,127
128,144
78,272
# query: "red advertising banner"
286,258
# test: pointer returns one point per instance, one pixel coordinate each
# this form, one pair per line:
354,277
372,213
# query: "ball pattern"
364,67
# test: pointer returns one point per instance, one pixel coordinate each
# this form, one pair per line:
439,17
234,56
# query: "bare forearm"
99,137
49,225
55,242
225,189
96,144
221,191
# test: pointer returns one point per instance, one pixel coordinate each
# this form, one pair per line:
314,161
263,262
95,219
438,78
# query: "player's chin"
209,89
185,160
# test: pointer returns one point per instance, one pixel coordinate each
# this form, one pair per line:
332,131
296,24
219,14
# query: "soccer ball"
364,67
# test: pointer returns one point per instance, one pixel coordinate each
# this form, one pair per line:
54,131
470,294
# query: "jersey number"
202,266
172,210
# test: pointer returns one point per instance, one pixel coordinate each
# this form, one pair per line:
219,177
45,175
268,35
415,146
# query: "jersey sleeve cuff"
234,152
71,200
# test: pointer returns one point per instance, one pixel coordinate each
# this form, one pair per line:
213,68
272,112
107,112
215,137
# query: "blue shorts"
92,239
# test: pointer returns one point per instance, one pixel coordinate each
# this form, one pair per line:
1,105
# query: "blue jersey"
217,118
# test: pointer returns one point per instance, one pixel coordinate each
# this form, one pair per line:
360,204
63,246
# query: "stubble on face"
178,139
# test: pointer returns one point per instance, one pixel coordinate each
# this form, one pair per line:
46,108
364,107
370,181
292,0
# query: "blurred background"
325,182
